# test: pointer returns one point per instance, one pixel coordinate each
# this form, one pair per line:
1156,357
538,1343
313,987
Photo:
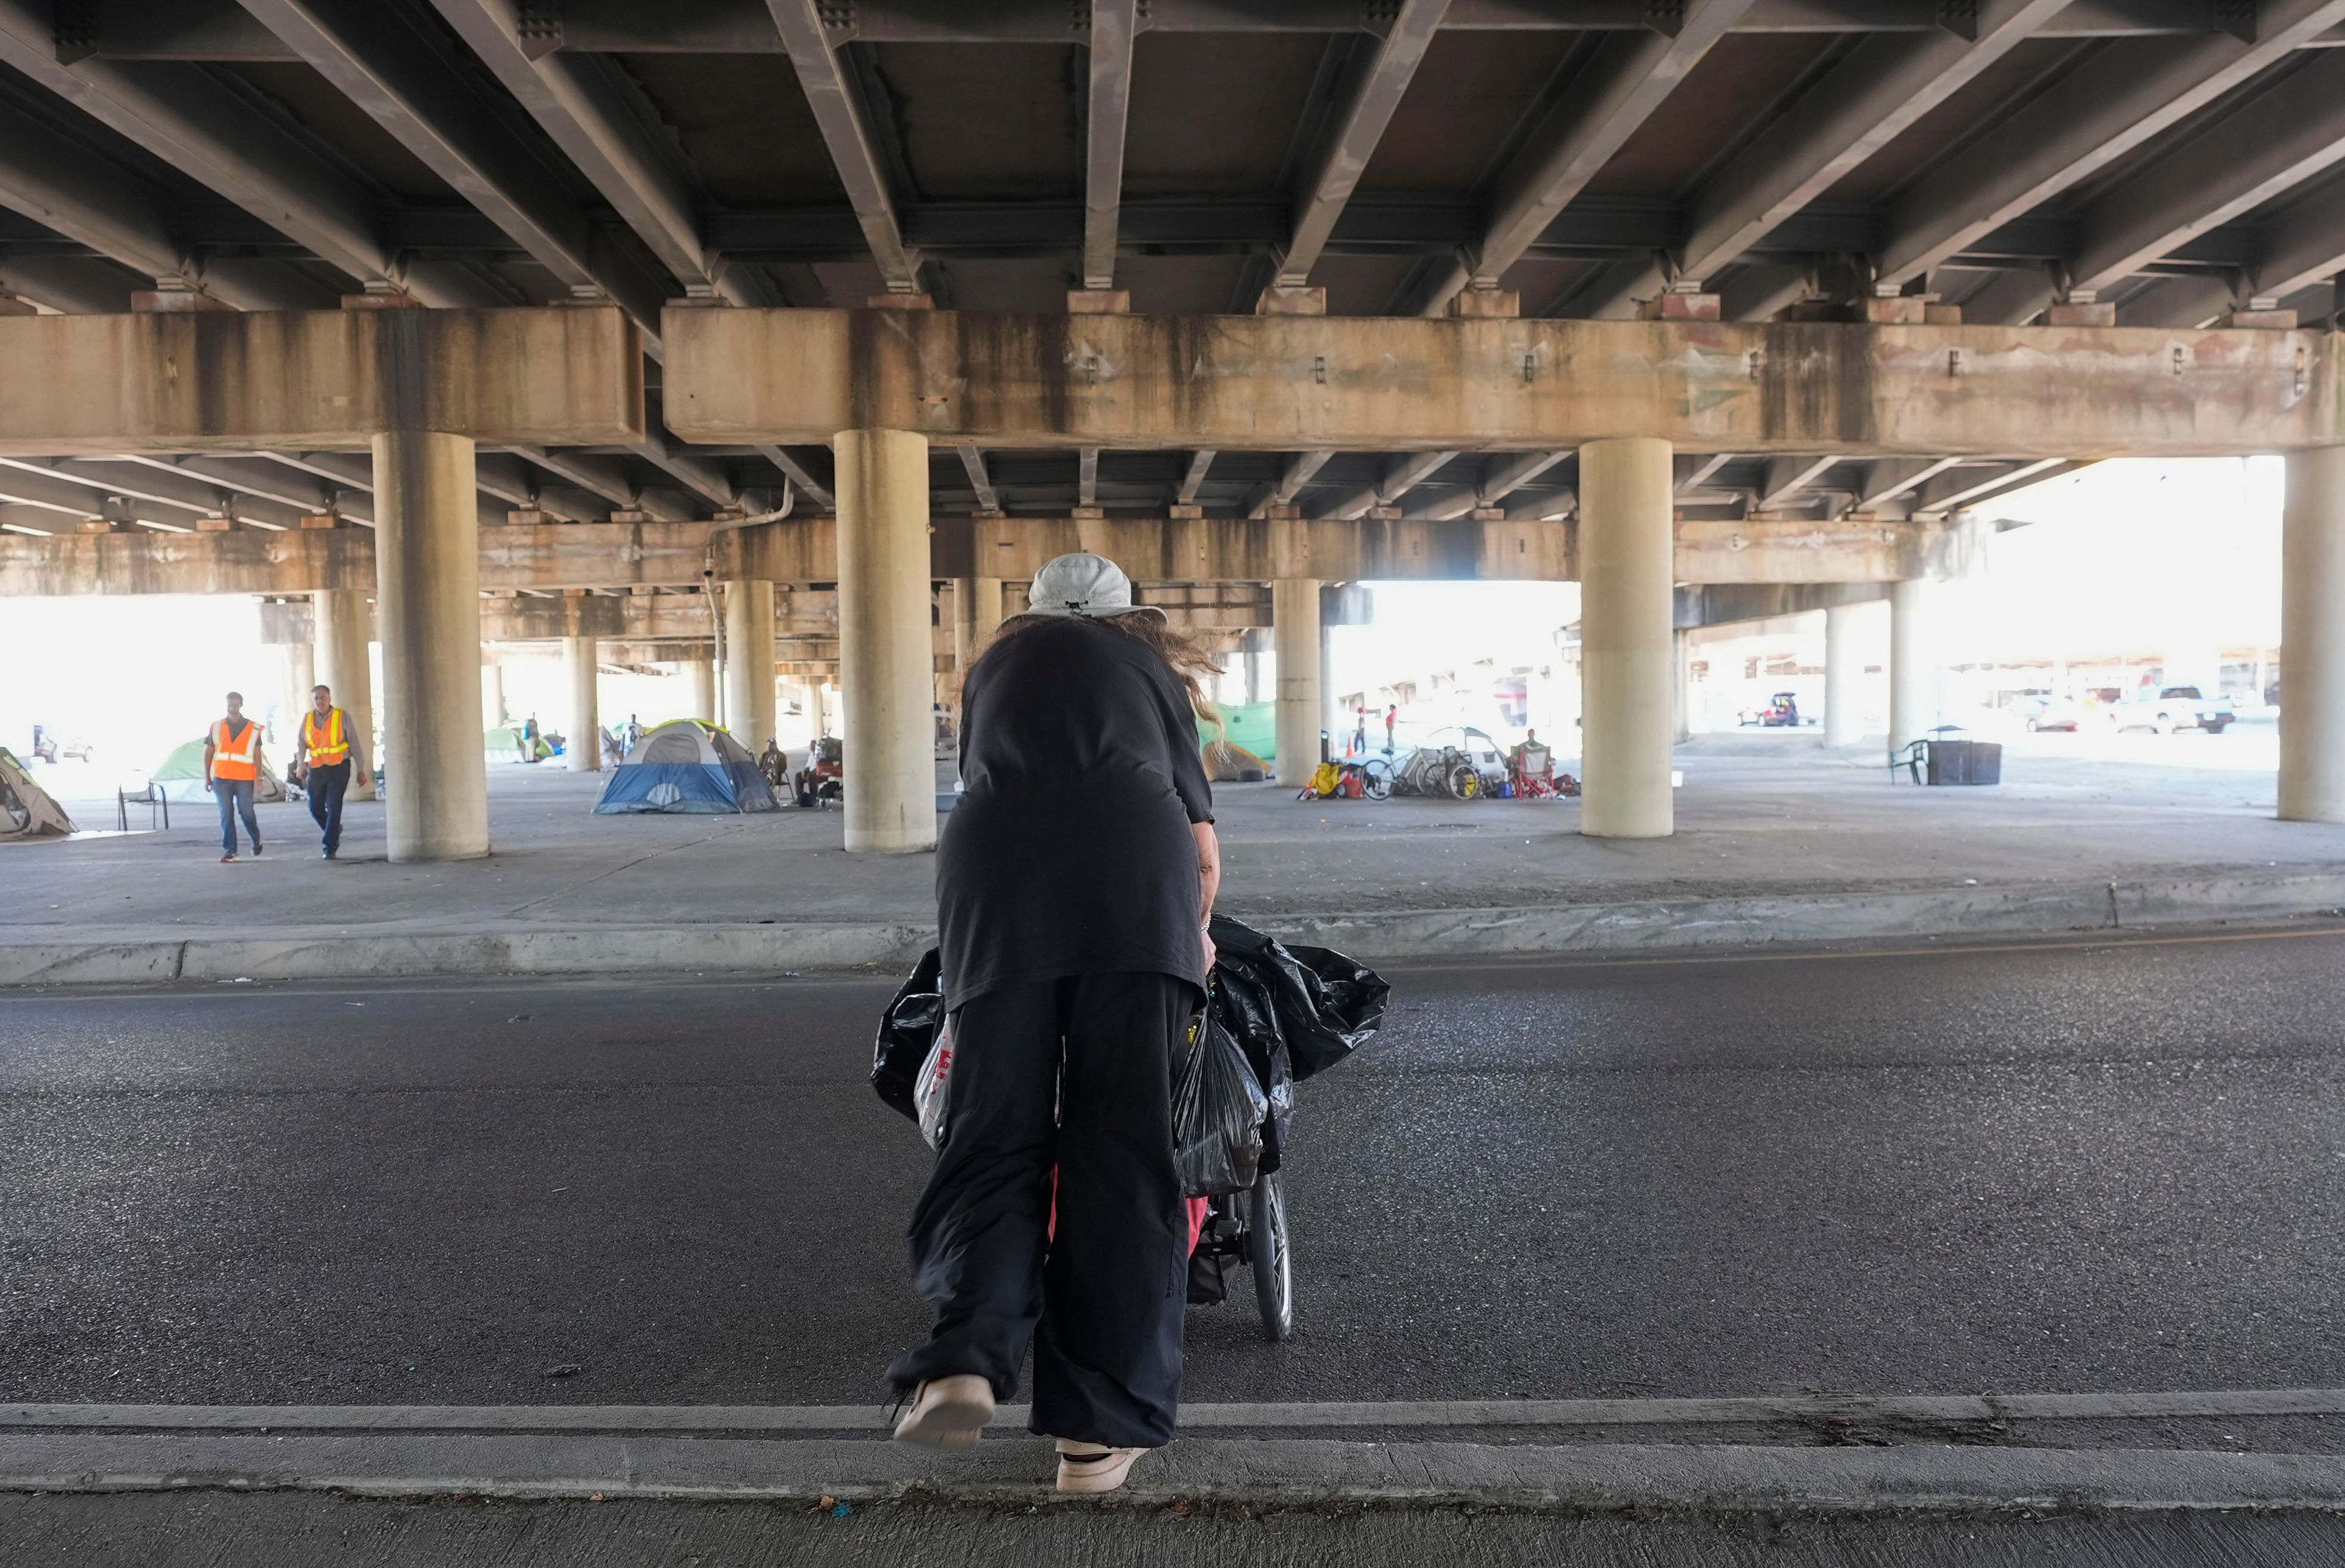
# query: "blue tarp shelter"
687,766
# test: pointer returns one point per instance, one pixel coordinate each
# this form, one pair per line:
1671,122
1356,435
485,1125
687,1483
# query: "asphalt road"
300,1531
2076,1168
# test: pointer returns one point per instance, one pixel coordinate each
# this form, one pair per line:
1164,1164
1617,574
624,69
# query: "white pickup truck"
2171,708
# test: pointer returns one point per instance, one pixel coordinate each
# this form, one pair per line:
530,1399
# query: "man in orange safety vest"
330,749
231,772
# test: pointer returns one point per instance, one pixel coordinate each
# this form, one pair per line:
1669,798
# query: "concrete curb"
1264,1472
1655,926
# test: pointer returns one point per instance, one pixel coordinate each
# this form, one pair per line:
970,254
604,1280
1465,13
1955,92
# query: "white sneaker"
1087,1467
948,1412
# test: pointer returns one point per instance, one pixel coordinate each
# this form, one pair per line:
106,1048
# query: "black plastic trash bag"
908,1031
1218,1109
1320,1003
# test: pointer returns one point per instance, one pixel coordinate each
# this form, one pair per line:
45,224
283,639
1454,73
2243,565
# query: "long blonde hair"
1187,657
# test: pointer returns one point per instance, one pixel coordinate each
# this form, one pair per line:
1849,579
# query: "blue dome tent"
687,766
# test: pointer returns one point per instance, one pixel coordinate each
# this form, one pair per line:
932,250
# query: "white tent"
27,811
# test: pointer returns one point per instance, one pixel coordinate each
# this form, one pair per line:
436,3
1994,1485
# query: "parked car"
1782,712
2042,713
2171,708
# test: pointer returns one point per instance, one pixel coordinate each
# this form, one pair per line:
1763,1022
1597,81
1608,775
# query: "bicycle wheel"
1376,779
1267,1255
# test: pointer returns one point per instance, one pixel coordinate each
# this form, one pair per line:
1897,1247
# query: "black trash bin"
1963,763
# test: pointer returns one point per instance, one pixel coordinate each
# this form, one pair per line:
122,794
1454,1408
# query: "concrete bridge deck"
1778,840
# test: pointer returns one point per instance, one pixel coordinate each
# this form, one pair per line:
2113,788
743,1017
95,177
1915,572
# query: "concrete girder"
200,126
552,557
74,285
1115,26
1953,493
2303,247
1886,478
1693,473
58,182
1193,477
838,109
578,102
1788,476
222,382
1401,474
1378,93
2112,103
1352,383
1292,475
179,30
2270,144
696,474
1724,603
250,476
38,485
414,91
168,486
981,480
797,472
1630,77
2011,299
1885,84
1502,480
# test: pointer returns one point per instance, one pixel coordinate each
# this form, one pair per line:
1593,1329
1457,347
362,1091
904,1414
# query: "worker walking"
330,751
231,772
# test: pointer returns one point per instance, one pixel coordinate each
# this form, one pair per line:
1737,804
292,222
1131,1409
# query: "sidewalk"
1777,841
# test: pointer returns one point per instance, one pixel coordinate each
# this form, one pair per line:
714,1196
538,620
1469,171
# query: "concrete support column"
1295,627
340,616
301,675
749,661
977,616
703,675
1914,673
427,590
2313,639
886,653
1628,651
1843,677
583,749
1681,686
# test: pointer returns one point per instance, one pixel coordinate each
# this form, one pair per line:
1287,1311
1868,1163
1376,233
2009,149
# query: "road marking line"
2229,1403
1953,947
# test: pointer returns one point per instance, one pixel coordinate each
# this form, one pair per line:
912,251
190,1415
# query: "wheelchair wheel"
1267,1255
1464,783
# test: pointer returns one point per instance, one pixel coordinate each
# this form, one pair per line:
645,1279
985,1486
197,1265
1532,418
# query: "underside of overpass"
599,319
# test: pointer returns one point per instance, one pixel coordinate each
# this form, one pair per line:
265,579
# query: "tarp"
180,775
687,765
26,810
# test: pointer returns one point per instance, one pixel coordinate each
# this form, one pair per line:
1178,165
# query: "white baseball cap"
1085,586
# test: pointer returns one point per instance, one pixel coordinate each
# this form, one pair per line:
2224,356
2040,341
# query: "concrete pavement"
1778,841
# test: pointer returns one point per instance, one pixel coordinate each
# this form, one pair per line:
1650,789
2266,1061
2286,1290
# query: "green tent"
180,775
1253,726
503,743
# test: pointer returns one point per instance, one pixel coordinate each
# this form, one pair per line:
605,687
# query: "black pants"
326,786
1103,1300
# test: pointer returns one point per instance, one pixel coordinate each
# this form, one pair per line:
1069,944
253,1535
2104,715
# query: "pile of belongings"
1274,1016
